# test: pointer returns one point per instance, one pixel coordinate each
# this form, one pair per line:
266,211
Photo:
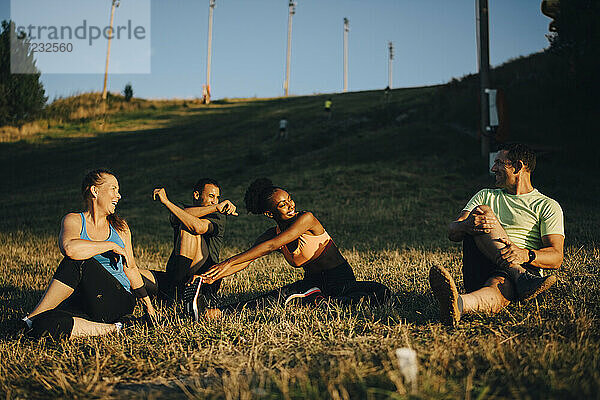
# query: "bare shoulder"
311,222
126,230
71,220
307,216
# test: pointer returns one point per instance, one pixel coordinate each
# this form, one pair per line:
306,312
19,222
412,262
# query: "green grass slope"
385,176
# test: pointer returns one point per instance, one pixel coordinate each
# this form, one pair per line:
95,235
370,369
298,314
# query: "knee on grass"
54,323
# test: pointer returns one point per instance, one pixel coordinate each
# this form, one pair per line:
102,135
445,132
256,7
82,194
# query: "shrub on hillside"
22,96
128,92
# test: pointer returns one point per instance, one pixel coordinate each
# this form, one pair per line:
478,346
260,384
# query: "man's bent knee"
483,209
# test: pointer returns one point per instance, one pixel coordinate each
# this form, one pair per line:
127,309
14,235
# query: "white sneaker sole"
309,292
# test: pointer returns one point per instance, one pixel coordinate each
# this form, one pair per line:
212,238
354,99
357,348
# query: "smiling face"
209,196
504,171
106,194
282,207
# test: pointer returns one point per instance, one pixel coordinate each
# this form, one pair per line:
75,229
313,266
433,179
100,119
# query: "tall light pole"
206,88
292,11
346,29
483,58
390,59
115,4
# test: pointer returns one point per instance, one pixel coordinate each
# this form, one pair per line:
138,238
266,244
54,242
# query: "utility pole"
483,58
391,58
346,29
286,83
206,88
115,4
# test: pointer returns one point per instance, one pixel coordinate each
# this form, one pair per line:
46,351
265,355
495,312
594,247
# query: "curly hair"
258,194
520,152
95,178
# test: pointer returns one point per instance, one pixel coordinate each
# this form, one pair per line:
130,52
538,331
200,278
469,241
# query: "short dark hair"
520,152
199,186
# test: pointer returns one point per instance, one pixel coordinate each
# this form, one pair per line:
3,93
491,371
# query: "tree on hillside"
22,96
576,40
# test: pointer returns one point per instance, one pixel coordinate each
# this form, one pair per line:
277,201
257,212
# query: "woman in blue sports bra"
97,282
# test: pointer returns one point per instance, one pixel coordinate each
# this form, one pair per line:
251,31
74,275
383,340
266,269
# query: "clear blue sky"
434,41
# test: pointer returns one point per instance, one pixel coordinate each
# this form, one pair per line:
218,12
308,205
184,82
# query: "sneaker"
193,301
528,285
306,298
444,290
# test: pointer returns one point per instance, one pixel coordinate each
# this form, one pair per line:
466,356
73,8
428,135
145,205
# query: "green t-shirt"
524,217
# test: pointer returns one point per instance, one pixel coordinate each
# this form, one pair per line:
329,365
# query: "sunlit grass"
384,190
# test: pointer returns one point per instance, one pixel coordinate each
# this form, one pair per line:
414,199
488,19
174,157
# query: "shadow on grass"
14,304
404,307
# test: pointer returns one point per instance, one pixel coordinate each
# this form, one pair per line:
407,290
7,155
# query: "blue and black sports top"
114,267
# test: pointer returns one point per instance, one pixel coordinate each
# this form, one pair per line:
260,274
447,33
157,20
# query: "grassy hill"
385,176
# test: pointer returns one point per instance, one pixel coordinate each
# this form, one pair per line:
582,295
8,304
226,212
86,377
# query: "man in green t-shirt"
510,236
197,240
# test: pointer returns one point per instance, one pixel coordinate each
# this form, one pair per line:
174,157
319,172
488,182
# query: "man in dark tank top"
198,232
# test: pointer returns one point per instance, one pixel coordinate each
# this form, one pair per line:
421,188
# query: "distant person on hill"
387,94
283,133
510,236
304,243
328,105
197,240
97,282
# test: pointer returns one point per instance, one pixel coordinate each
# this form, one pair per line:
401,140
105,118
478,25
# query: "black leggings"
170,284
98,296
338,283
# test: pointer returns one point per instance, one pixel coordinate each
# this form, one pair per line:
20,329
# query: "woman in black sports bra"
304,243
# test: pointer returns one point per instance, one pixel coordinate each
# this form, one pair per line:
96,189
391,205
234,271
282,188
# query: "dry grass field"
384,189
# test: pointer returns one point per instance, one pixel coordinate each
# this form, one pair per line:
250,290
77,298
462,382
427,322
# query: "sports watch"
531,256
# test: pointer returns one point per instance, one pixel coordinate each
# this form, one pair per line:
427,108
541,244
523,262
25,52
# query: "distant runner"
328,104
283,124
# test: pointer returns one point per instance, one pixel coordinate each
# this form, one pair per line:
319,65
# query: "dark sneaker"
311,296
193,300
529,285
444,290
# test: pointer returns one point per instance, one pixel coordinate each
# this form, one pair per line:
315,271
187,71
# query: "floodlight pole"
115,4
390,60
286,83
483,56
206,95
346,29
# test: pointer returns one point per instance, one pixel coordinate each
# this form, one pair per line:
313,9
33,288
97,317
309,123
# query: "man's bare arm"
471,223
550,256
191,223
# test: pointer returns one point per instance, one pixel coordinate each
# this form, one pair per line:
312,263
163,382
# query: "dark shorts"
477,268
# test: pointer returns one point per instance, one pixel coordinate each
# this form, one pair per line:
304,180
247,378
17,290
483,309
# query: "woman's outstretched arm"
304,223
